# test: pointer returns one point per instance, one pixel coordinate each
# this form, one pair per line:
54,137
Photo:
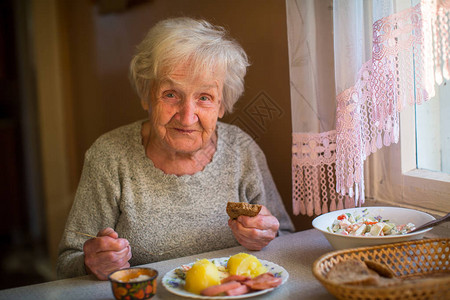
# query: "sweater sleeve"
95,207
261,189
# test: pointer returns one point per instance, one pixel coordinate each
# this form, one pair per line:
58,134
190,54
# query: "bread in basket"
422,267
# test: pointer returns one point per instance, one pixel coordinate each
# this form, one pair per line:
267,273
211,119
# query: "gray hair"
175,41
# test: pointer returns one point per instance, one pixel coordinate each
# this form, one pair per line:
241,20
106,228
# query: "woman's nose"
187,113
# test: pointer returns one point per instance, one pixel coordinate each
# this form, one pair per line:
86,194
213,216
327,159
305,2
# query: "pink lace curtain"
387,54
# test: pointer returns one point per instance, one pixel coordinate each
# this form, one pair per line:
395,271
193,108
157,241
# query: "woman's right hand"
106,253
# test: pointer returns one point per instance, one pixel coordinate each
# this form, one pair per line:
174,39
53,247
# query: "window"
433,132
393,174
415,172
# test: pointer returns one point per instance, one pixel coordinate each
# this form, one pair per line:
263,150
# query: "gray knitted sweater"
156,212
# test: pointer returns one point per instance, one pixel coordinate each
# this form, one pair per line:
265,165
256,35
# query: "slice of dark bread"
236,209
380,268
356,272
353,272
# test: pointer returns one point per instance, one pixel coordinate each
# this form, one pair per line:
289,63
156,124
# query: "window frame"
395,180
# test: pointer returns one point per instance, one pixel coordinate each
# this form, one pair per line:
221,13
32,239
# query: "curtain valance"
384,59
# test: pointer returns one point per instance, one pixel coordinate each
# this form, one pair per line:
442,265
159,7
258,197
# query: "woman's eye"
205,98
169,95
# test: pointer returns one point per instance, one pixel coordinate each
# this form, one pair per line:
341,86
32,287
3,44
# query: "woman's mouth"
184,131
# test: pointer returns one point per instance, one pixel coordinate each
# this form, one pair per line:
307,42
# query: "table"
295,252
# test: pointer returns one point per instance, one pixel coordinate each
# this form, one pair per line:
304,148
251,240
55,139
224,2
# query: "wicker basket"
407,260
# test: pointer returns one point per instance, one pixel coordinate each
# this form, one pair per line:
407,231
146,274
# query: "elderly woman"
158,188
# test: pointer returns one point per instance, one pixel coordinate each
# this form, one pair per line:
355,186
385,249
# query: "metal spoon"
433,223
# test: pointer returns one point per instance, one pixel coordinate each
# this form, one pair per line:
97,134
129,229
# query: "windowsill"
429,175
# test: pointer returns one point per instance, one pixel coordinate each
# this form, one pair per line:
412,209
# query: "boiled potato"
203,274
246,265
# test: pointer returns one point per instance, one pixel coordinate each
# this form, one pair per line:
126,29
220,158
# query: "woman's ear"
144,104
221,111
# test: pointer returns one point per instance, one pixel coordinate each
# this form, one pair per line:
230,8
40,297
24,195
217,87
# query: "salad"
365,225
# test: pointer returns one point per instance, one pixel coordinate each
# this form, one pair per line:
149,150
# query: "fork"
433,223
133,246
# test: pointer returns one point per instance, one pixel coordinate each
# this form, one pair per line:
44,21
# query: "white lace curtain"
353,66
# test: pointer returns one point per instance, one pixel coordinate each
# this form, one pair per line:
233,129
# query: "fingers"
262,222
113,258
251,238
255,233
102,268
108,232
101,264
106,253
105,243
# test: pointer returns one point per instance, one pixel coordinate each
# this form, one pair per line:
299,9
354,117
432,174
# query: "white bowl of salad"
369,226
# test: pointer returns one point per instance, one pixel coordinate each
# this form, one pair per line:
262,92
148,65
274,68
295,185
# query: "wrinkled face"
184,110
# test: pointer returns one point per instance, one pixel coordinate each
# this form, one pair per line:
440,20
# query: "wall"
96,50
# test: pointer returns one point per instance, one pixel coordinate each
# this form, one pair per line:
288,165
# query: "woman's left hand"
254,233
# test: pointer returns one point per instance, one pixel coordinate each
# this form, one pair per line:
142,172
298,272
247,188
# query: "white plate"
175,285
